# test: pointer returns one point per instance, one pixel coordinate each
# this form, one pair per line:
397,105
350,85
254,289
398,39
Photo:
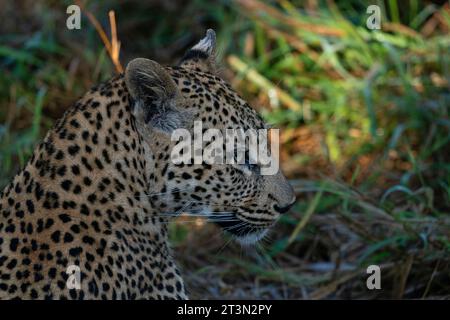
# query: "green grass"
379,102
365,124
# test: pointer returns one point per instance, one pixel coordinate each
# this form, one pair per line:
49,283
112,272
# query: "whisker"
223,247
213,216
174,190
235,226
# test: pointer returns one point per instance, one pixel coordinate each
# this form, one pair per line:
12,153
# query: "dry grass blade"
436,20
403,277
296,43
259,80
400,28
254,6
302,223
427,289
113,46
328,289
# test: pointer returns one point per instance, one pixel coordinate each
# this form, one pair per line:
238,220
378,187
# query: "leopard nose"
284,209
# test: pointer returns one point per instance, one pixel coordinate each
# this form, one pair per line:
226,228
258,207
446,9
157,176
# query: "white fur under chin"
251,238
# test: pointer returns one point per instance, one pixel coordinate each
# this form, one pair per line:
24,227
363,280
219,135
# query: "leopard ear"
202,56
156,96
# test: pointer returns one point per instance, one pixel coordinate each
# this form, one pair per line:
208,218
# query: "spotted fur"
98,191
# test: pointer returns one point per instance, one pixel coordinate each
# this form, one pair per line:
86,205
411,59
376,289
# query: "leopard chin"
244,233
252,238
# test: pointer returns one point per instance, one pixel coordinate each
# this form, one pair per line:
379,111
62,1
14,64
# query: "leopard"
87,217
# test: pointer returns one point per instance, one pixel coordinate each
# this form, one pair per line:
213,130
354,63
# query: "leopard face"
236,196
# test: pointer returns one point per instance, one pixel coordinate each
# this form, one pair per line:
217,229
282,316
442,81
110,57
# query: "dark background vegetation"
364,117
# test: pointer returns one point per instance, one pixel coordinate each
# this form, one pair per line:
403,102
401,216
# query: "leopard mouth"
244,232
